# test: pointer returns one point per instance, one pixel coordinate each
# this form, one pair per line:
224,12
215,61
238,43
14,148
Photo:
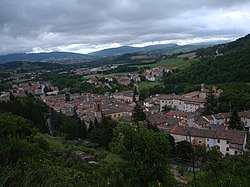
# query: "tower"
97,104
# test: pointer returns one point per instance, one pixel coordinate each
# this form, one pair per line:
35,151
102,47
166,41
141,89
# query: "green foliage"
235,96
102,133
211,105
184,150
235,122
73,128
30,108
224,171
146,151
166,108
123,68
138,114
232,66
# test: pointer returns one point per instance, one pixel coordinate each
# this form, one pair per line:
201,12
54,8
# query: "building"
230,142
123,80
182,103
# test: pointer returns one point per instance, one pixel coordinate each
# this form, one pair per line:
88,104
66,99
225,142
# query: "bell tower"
97,104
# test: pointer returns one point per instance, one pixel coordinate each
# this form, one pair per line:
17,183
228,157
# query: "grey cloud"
25,24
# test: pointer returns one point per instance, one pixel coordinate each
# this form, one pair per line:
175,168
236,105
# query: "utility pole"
193,164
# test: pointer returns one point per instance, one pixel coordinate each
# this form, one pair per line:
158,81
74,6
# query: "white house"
227,141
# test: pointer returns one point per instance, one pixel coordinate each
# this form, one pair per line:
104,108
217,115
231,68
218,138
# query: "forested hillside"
219,64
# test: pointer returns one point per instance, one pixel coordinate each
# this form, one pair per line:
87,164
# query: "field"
174,62
54,142
105,75
147,85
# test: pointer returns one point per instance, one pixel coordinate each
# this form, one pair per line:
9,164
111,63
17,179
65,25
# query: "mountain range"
67,57
41,57
129,49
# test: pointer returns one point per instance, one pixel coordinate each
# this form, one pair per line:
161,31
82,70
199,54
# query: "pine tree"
211,105
12,98
235,122
67,97
138,114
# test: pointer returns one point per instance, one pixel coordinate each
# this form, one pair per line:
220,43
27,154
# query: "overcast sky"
89,25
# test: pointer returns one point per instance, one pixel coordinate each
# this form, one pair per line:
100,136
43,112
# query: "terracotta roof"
192,94
180,113
160,118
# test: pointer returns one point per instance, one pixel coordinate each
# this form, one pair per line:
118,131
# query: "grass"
147,85
54,142
105,75
174,62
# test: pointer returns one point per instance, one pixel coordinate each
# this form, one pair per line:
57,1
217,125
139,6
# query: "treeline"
29,108
38,114
233,67
168,89
122,69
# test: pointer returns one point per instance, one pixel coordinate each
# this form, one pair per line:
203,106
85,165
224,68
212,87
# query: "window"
199,141
235,152
227,142
218,140
207,139
227,149
114,116
119,115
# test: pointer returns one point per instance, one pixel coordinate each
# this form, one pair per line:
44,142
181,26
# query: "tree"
83,133
146,151
67,97
144,93
211,104
166,108
102,132
11,96
184,150
235,122
138,114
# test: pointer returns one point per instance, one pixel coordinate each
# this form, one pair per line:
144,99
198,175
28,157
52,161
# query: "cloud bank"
90,25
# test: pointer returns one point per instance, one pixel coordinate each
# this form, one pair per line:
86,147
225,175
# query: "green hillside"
219,64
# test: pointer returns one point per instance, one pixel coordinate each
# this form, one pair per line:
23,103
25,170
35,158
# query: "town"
124,93
183,118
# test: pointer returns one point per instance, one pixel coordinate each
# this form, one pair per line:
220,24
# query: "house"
181,103
160,119
184,116
135,77
126,96
230,142
117,111
123,80
5,97
36,88
151,74
93,80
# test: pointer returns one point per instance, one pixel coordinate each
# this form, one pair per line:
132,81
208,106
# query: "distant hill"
178,49
128,49
29,65
44,57
222,63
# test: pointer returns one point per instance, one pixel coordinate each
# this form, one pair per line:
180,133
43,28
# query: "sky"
84,26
